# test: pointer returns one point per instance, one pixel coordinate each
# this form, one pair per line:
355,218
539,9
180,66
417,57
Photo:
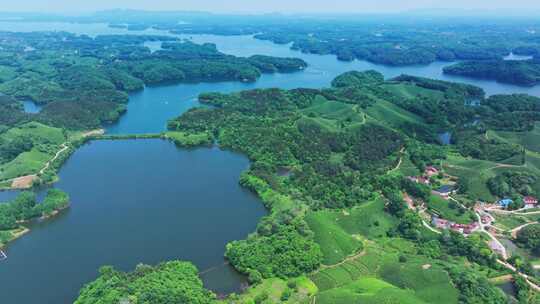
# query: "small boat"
3,255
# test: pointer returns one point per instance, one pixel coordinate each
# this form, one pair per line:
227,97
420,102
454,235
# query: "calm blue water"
147,201
133,202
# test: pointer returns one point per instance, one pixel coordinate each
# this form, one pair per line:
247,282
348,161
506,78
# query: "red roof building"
430,171
529,200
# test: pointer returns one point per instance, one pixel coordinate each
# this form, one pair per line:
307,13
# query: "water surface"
133,202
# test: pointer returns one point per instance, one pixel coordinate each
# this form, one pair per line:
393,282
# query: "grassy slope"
47,141
442,207
369,291
274,289
338,232
477,172
407,90
392,114
412,280
530,140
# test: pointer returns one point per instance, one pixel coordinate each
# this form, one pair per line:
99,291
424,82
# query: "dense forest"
25,207
169,282
525,73
83,81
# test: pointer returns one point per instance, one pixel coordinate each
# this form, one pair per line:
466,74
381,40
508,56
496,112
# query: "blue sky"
318,6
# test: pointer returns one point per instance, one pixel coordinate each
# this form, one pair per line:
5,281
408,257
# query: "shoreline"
26,182
19,232
22,230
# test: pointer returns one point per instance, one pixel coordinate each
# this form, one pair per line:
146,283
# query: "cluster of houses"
428,172
443,191
424,179
461,228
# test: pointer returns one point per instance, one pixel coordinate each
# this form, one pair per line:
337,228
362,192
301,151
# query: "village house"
440,223
530,201
486,219
461,228
430,171
419,179
504,203
444,191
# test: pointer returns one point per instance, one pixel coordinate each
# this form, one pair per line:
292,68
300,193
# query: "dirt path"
515,231
430,228
47,164
26,181
400,160
347,259
526,277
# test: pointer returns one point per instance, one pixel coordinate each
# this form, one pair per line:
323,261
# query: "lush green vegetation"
340,234
328,139
529,237
84,82
513,184
170,282
516,112
24,208
338,215
27,147
526,72
450,210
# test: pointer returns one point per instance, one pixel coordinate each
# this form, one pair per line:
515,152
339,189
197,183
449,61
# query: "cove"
142,201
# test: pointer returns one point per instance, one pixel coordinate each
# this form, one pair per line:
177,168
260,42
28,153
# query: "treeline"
25,207
474,143
170,282
519,72
516,112
513,184
396,43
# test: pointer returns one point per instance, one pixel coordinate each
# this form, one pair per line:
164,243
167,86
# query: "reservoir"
147,201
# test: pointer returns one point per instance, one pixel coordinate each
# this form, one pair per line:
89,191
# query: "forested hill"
332,165
524,73
89,78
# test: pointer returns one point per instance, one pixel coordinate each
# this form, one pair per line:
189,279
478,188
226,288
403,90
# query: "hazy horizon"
282,6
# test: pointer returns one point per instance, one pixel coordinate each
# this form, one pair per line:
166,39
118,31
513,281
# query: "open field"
530,140
46,141
418,280
449,210
339,233
273,289
476,172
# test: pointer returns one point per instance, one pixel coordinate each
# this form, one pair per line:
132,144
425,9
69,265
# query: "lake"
140,201
147,201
